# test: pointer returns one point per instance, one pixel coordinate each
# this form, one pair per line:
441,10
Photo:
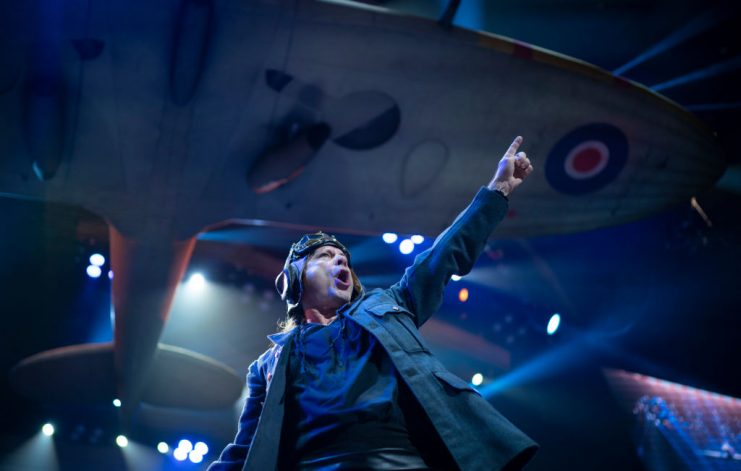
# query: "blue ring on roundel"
555,167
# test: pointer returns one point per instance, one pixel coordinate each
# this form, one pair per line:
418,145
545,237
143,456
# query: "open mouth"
342,279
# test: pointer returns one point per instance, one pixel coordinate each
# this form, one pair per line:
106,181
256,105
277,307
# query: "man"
350,384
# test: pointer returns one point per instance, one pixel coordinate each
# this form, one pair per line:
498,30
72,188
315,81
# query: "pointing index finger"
514,146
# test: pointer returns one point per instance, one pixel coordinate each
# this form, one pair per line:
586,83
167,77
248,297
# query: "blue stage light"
93,271
195,457
122,441
477,379
389,237
553,324
185,445
196,284
48,430
180,454
201,448
97,259
162,447
406,246
117,402
417,239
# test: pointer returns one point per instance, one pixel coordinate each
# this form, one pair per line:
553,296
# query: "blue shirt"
342,386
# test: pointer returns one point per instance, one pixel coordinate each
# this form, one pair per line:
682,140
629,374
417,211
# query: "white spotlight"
406,246
97,259
417,239
553,324
201,448
185,445
93,271
180,454
48,430
389,237
195,457
122,441
455,277
196,283
477,379
117,402
162,447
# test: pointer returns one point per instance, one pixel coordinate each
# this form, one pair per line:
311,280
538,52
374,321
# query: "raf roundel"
587,159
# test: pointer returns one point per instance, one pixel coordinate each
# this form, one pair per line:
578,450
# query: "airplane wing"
141,111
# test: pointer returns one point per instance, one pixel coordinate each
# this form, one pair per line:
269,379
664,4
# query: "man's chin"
342,297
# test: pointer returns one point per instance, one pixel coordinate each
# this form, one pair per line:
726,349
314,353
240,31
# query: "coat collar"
280,338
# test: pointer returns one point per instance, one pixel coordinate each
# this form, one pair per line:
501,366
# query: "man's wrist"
501,187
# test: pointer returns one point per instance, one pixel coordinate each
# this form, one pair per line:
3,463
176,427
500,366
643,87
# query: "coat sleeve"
454,252
232,458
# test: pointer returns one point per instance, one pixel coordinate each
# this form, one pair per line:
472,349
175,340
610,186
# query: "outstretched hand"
512,170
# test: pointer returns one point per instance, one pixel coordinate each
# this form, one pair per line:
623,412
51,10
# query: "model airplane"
167,118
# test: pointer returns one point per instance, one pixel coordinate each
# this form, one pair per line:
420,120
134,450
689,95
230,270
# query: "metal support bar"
446,20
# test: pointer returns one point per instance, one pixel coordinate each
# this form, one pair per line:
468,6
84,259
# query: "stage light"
117,402
406,246
463,295
122,441
389,237
417,239
201,448
553,324
185,445
455,277
93,271
110,274
180,454
195,457
196,283
47,429
477,379
162,447
97,259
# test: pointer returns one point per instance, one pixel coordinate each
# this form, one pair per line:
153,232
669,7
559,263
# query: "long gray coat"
476,435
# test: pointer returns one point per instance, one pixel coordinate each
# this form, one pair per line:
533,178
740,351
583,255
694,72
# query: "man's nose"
340,259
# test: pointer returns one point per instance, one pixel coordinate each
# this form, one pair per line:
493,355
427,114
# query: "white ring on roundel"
568,164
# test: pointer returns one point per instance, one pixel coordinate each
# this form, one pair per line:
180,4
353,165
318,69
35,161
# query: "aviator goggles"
311,242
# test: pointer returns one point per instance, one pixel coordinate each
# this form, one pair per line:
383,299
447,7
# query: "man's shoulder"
269,354
260,360
374,296
377,299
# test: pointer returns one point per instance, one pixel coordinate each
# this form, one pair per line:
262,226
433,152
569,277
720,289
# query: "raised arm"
456,249
234,454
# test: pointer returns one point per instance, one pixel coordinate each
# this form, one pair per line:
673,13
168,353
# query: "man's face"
327,283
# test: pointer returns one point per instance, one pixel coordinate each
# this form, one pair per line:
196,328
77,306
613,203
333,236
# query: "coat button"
270,376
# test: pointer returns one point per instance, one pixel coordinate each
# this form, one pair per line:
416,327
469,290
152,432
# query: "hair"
294,318
291,321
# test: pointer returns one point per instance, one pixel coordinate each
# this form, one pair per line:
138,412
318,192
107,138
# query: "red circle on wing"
587,159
